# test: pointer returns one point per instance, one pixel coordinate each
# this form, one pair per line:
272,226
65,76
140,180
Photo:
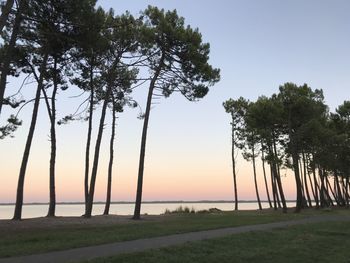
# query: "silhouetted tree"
111,158
300,105
237,110
5,11
88,60
122,38
178,61
45,37
9,53
118,101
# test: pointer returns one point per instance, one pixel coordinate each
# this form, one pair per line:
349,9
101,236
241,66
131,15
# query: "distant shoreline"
146,202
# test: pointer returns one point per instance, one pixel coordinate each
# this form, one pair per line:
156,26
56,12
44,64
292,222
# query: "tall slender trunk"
234,164
138,200
316,185
310,180
110,165
89,205
338,190
346,189
299,202
19,196
52,204
274,189
329,189
5,11
302,183
295,163
278,176
273,178
265,180
345,192
255,180
323,199
305,181
6,61
311,187
88,140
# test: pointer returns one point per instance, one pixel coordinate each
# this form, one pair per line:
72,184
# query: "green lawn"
321,242
15,242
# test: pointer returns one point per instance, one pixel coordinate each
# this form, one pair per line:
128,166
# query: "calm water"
30,211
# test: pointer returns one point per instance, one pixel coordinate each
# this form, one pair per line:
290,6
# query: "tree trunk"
338,190
22,172
302,183
299,202
255,180
52,205
89,205
322,189
295,163
310,180
234,165
281,193
5,11
347,191
278,176
264,171
5,67
138,200
316,185
305,182
110,165
88,140
329,189
274,189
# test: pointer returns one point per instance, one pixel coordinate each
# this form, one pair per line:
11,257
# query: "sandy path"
113,249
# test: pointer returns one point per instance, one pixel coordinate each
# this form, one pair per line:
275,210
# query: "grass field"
321,242
17,241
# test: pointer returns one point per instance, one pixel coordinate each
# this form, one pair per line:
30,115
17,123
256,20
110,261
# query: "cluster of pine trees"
62,44
295,130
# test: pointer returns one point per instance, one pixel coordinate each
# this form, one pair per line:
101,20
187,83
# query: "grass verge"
318,242
17,241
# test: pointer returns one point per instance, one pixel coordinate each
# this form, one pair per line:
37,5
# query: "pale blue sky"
258,45
261,44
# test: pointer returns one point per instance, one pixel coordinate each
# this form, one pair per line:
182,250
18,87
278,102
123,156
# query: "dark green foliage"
184,65
12,124
178,61
57,42
296,131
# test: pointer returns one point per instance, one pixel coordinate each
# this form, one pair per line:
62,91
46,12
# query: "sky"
258,45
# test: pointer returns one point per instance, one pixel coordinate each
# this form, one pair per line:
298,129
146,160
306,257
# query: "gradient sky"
258,45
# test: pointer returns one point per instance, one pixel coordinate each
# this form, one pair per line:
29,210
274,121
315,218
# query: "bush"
186,210
181,210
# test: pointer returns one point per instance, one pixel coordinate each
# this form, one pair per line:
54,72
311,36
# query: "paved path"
113,249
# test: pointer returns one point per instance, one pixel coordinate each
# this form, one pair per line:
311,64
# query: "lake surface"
40,210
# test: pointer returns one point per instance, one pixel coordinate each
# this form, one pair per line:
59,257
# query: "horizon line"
145,202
